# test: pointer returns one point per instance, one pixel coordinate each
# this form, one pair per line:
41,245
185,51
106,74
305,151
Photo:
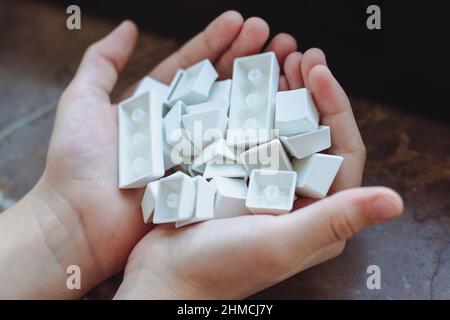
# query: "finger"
311,58
103,60
282,45
292,70
209,44
283,84
338,217
250,40
336,113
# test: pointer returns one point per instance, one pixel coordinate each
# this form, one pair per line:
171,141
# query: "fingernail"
385,208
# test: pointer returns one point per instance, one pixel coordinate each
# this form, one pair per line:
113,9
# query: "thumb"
339,217
103,60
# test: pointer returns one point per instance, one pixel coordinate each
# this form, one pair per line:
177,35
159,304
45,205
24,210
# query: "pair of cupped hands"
227,258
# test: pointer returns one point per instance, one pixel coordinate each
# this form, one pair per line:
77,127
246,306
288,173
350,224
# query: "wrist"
63,227
141,284
137,286
42,239
142,281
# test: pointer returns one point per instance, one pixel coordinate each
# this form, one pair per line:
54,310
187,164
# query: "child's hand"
236,257
98,224
76,215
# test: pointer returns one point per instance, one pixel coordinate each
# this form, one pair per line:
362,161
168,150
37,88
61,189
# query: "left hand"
236,257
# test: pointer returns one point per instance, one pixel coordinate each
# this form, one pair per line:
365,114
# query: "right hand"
236,257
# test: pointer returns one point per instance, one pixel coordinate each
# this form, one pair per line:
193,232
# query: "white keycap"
230,197
270,155
217,152
224,170
195,169
295,112
175,199
192,85
205,106
177,144
271,191
159,90
140,141
315,174
306,144
170,101
205,127
158,95
149,201
220,93
172,155
204,202
252,103
172,123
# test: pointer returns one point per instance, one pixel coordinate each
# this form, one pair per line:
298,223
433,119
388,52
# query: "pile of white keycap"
195,144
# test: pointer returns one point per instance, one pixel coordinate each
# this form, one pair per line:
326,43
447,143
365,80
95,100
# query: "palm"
212,249
83,158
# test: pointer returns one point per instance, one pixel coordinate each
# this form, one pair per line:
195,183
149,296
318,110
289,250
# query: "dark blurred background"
407,62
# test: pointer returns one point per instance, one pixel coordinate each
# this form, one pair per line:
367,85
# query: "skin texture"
77,215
